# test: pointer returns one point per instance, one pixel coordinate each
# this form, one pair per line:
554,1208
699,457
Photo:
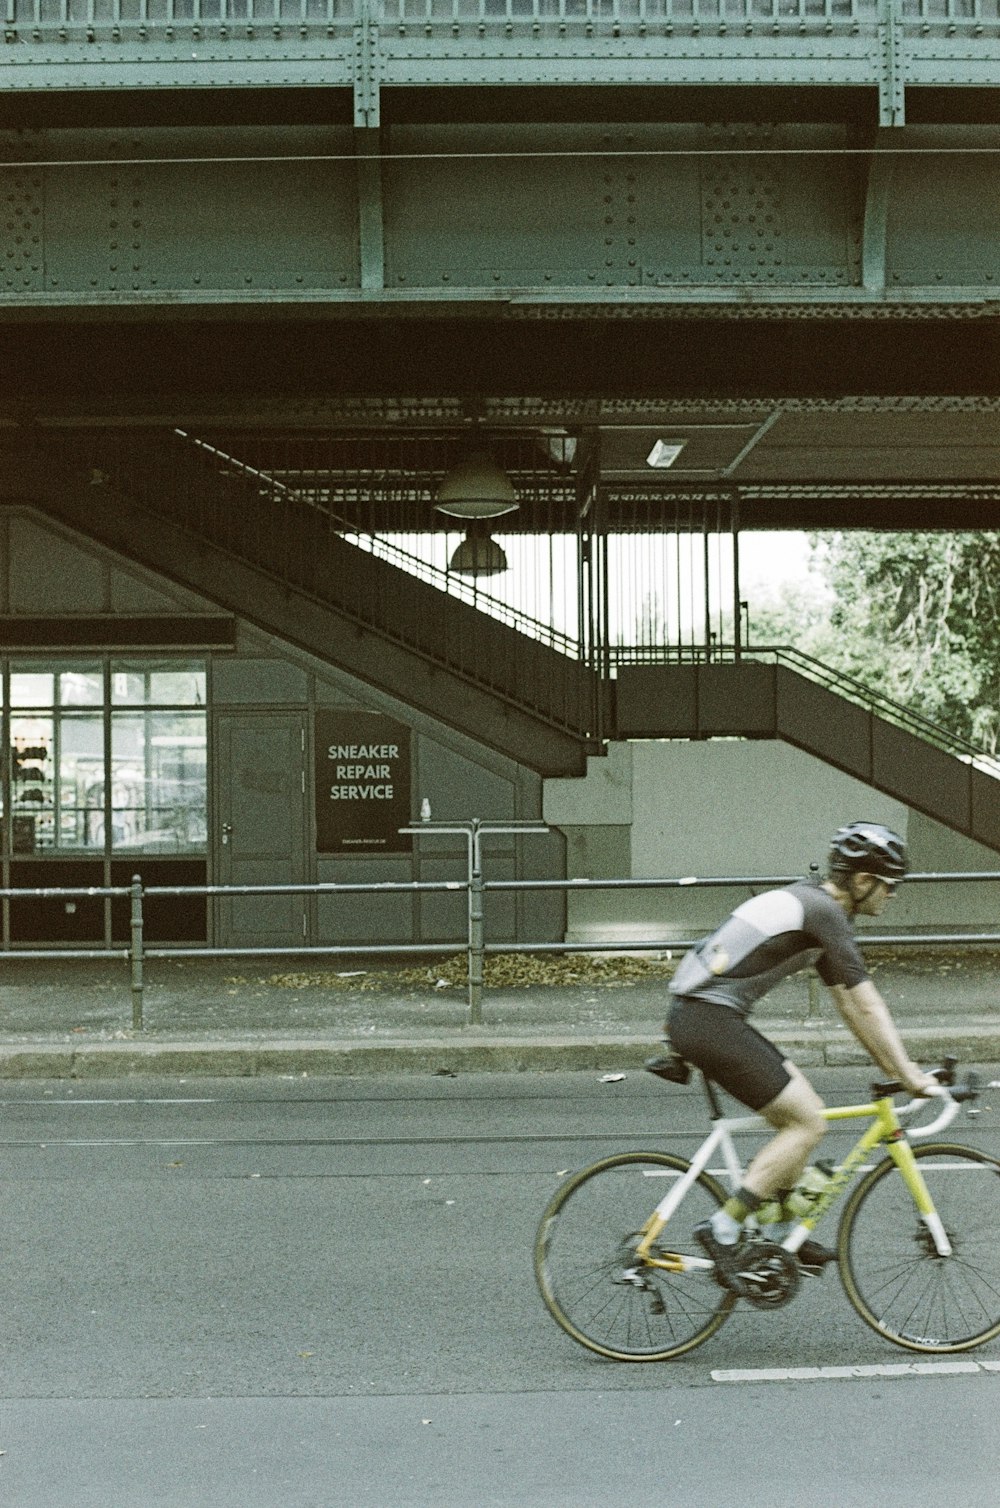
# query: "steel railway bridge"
270,271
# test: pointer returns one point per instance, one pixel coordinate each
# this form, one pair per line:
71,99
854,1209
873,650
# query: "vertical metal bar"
679,583
707,574
135,952
734,525
6,781
476,933
108,688
604,676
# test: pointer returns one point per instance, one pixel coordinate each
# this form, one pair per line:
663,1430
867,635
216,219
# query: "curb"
231,1059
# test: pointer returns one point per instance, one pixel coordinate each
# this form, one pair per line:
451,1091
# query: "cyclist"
717,984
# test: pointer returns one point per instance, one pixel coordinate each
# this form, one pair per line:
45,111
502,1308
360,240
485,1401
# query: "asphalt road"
319,1292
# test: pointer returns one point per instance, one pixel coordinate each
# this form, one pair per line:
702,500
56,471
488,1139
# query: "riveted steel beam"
367,68
371,234
543,220
883,45
891,83
881,166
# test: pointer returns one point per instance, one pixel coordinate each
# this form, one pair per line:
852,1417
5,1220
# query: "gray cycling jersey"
767,938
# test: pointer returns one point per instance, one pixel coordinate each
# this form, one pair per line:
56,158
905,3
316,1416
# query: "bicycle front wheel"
889,1264
588,1272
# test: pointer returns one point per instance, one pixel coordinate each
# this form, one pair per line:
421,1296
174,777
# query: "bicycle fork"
901,1153
887,1132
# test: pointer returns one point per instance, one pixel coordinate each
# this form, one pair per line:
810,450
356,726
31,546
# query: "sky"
768,559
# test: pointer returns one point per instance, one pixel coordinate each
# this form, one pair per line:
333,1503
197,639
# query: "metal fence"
428,15
477,890
362,45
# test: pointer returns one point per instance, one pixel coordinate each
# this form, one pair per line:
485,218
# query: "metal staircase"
271,555
782,693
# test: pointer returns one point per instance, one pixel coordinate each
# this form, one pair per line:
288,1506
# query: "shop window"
159,776
159,683
56,758
107,757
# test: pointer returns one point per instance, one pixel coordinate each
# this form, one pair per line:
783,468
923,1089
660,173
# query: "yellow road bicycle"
918,1246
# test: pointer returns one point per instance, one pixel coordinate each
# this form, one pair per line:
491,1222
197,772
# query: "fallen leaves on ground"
326,980
531,970
939,959
500,971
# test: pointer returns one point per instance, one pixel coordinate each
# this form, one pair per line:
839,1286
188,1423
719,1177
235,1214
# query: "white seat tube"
718,1139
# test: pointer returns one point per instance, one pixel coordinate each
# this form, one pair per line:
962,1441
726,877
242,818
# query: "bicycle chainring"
771,1275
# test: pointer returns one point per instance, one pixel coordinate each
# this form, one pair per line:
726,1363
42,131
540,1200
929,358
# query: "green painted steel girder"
535,217
371,45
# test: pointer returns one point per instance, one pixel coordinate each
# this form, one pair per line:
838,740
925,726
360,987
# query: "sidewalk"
68,1018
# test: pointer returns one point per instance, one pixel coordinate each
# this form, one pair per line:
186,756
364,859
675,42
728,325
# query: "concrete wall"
729,807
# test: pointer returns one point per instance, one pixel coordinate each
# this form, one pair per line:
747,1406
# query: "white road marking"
881,1369
83,1104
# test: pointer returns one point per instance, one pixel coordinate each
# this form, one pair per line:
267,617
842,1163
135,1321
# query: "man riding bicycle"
719,981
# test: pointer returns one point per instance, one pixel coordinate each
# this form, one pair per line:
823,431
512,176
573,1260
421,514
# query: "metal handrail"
389,550
766,17
454,586
828,676
476,888
853,690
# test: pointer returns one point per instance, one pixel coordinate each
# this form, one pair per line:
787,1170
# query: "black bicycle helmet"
870,847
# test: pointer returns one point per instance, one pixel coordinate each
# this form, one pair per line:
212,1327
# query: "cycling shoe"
728,1259
813,1256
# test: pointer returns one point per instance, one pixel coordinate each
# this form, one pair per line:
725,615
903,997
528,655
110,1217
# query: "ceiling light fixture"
476,488
478,555
664,453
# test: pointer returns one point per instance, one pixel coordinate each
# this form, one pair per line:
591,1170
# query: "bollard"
135,952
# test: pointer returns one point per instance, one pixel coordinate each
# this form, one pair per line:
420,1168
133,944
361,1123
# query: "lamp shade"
476,488
478,555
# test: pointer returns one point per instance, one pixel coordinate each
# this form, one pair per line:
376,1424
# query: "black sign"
362,762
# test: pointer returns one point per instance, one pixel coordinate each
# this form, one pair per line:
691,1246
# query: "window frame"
109,664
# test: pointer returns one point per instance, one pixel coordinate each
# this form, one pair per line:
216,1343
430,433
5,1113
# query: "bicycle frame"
885,1130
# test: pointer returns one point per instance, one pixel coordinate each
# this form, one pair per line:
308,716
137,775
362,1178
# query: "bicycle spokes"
598,1286
895,1275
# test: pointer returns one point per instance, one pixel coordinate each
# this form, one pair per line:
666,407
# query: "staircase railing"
388,548
295,536
832,679
891,711
231,504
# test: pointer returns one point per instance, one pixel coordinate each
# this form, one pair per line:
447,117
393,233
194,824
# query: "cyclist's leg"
797,1116
735,1055
732,1053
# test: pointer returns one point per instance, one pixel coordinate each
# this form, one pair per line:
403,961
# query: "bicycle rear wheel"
890,1267
586,1267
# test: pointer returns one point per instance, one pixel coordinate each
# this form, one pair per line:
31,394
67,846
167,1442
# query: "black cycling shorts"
724,1045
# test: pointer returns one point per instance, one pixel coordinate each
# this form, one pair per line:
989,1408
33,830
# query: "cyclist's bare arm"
867,1014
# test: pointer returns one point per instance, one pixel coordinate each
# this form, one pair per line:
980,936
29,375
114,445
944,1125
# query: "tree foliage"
915,617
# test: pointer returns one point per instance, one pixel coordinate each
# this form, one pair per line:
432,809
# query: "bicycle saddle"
669,1065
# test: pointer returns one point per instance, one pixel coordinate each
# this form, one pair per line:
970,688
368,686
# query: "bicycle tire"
583,1248
890,1269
